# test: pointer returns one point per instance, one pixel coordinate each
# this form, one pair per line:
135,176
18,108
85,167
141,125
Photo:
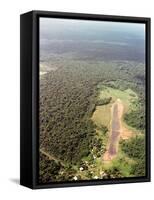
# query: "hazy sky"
52,28
92,39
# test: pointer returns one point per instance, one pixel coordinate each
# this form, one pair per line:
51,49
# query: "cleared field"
102,114
127,96
115,131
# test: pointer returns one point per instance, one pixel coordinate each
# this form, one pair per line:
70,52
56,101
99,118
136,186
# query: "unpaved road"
50,157
116,130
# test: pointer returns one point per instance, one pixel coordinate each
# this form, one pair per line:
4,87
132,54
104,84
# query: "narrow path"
116,130
51,157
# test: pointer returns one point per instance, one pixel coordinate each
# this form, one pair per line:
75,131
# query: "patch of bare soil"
116,131
126,133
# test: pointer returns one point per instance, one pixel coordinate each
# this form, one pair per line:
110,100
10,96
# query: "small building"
75,178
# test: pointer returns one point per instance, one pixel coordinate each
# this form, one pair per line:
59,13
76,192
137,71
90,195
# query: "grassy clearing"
128,97
102,114
121,164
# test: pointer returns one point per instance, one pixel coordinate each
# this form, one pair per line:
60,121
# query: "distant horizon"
96,39
56,25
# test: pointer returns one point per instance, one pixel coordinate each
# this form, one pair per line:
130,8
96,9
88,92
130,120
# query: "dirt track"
50,157
116,130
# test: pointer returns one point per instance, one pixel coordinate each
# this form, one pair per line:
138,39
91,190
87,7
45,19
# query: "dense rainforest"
68,98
